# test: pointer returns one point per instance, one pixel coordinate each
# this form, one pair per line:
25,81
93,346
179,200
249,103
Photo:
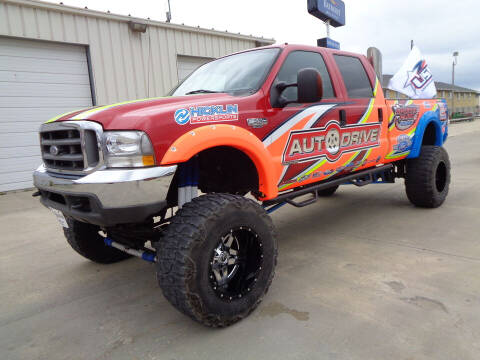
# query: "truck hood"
136,114
165,119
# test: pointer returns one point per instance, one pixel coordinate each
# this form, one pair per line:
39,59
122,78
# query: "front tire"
216,258
85,240
427,178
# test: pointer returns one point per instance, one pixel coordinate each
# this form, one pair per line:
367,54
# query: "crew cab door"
364,133
296,123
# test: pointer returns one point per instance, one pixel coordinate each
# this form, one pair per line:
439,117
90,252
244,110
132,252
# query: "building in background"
56,58
467,101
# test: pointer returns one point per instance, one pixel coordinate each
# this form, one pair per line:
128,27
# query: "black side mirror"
309,89
309,86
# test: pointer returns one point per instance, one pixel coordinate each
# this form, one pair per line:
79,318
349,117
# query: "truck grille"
68,147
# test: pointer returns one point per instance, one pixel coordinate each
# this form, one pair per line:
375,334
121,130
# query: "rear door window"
354,76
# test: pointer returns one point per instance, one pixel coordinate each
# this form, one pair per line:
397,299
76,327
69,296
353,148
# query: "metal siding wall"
125,65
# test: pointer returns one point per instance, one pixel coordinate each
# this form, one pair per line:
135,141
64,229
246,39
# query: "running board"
361,178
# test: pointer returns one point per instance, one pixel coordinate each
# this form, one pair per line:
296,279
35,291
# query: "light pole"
169,12
455,61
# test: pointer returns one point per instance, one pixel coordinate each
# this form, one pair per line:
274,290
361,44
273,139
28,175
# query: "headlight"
128,149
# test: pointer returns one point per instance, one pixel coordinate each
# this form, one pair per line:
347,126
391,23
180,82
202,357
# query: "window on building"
298,60
354,77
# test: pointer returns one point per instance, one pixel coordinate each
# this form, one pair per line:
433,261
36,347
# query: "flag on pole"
414,78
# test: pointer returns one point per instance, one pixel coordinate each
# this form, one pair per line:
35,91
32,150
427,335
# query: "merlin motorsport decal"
405,116
207,114
330,142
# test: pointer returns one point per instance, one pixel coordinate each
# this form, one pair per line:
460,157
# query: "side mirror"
309,86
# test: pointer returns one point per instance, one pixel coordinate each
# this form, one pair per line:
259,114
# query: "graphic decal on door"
330,142
310,149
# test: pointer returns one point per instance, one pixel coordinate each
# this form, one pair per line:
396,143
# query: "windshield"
240,73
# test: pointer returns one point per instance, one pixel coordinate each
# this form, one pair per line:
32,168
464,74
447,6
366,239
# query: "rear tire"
85,240
428,177
216,258
327,192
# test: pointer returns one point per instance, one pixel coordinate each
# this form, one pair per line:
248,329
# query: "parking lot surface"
360,275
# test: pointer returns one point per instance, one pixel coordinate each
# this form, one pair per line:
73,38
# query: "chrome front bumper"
107,197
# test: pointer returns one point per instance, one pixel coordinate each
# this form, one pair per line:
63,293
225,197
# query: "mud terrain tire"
194,240
428,177
327,192
85,240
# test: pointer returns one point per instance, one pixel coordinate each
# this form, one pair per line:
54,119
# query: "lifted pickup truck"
286,124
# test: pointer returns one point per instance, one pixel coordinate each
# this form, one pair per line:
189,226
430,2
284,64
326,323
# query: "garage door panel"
18,139
38,81
32,77
16,63
187,64
19,185
69,103
45,90
36,115
40,49
11,165
14,177
18,127
19,152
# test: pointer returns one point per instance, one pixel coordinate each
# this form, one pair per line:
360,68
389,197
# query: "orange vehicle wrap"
324,167
206,137
403,119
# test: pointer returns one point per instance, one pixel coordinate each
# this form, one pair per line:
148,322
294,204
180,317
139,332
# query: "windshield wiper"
202,91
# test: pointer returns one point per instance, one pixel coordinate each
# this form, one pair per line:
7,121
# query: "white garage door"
187,64
38,80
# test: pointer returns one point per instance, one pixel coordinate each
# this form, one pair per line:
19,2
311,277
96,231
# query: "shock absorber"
144,254
188,181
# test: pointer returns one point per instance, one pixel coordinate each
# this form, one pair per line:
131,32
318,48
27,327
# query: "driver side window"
298,60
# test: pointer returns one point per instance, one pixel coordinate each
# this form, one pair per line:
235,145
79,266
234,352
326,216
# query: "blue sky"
438,27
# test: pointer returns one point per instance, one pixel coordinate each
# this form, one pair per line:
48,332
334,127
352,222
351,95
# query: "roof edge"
125,18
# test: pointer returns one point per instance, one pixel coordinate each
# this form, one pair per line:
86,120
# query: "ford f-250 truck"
285,124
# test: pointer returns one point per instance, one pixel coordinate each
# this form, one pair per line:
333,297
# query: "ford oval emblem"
54,150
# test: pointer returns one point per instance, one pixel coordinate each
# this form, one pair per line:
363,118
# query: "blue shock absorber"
146,255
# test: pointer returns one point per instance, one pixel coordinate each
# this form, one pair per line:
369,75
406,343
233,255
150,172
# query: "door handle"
343,118
380,115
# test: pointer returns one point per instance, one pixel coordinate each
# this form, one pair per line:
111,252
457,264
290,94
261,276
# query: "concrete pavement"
361,275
